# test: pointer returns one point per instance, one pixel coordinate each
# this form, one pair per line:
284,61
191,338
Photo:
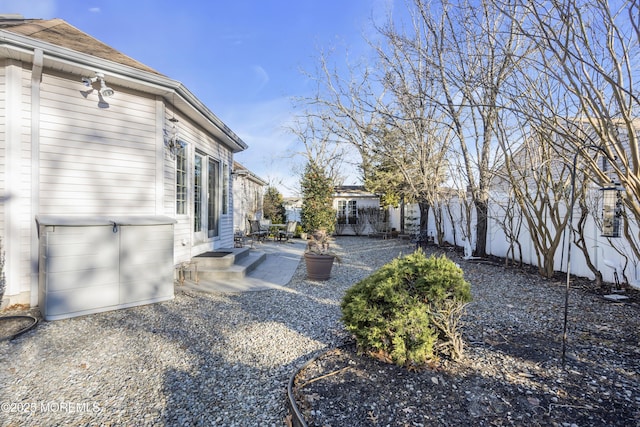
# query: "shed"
94,264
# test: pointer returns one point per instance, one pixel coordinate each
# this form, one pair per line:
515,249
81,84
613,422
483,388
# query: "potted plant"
318,219
319,257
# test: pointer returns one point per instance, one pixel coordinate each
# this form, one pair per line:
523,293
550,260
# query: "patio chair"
255,231
238,238
288,232
383,230
265,226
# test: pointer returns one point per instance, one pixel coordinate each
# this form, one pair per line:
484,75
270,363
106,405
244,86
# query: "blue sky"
242,58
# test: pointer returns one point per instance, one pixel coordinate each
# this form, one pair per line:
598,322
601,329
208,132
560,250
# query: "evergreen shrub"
317,200
408,311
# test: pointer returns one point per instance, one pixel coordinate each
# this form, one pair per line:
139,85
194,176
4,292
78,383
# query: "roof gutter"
250,175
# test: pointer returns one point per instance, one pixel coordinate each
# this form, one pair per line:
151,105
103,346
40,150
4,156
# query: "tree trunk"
424,215
581,242
548,264
482,220
402,215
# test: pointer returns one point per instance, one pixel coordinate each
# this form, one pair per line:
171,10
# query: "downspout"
36,79
12,171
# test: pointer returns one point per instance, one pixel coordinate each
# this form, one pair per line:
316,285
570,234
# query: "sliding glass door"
206,192
213,203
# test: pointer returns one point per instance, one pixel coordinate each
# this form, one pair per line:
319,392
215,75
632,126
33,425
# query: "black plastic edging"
297,419
21,331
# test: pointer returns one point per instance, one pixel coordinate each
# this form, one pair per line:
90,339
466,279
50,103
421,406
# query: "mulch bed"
511,373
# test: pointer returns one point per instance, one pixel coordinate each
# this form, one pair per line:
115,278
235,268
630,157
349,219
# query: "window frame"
352,211
181,184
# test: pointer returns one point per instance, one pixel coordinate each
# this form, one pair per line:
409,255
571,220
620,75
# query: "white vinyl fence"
607,254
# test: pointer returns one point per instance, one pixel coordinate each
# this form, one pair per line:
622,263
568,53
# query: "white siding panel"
96,159
15,174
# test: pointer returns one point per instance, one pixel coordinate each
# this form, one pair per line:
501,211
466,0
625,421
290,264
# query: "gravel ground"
200,359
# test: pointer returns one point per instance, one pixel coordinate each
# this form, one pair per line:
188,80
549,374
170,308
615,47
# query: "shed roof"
352,191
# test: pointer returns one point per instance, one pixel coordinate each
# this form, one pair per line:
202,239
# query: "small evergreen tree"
317,200
273,207
408,312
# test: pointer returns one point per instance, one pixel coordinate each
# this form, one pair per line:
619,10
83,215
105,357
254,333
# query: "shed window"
352,212
342,211
347,211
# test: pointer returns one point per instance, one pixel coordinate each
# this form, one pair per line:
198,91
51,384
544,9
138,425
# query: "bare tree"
590,50
470,48
536,167
384,115
319,147
509,218
538,180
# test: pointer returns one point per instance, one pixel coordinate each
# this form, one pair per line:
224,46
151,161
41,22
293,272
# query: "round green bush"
396,314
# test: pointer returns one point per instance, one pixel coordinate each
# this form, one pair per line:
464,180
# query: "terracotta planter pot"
318,266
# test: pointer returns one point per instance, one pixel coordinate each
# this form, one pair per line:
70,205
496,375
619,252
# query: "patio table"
275,228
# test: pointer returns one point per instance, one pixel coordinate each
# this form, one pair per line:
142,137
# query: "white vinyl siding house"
67,151
248,191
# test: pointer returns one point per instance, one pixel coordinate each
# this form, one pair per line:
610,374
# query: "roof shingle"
61,33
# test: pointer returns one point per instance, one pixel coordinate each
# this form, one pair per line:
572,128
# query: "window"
257,199
342,211
181,181
347,211
197,194
352,212
225,189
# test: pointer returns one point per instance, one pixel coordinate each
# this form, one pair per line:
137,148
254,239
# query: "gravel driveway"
200,359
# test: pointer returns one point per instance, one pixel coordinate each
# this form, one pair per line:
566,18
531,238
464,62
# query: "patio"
279,263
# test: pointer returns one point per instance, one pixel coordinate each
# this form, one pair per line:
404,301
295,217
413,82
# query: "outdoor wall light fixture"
172,141
105,90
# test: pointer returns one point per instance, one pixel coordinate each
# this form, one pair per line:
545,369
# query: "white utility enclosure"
88,264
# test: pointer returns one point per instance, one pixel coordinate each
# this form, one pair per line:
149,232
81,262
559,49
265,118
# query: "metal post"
570,225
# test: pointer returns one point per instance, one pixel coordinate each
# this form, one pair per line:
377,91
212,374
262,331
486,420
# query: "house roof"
61,33
240,170
57,45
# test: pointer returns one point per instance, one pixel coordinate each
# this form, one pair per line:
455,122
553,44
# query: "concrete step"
220,259
242,266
